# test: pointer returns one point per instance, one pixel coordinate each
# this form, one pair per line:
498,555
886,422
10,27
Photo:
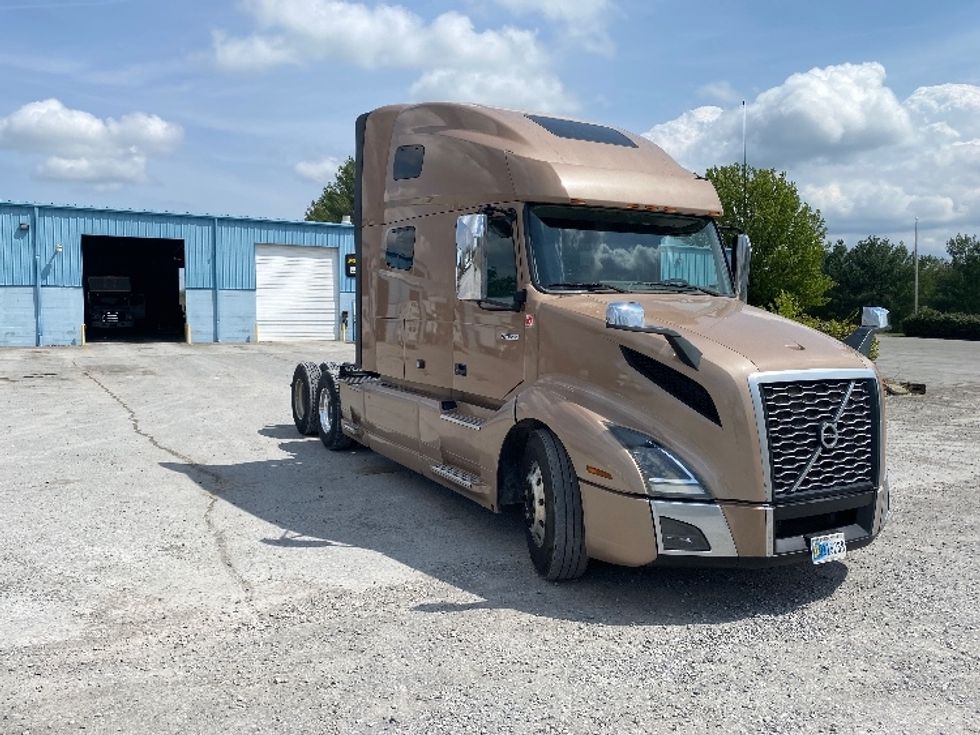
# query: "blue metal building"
240,279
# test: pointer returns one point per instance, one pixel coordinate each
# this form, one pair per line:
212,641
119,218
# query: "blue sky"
245,107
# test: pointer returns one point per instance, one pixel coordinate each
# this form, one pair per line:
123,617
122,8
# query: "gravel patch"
175,558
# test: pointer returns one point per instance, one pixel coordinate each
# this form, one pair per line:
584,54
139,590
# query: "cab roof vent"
588,132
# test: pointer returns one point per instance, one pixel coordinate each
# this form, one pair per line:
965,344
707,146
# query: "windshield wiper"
676,284
593,286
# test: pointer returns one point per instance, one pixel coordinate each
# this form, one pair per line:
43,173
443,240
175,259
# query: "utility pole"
915,308
745,172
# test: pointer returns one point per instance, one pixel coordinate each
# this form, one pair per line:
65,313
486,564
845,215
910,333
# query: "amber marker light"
598,472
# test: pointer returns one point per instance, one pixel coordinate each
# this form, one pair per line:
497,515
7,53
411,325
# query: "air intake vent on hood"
686,390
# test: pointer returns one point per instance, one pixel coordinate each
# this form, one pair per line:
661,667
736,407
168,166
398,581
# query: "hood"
768,341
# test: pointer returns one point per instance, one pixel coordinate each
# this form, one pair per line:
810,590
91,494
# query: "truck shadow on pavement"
359,498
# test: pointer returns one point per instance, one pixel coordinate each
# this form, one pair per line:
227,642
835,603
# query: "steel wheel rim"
535,509
325,408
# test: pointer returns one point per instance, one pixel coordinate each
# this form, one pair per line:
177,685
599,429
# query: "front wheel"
328,414
552,509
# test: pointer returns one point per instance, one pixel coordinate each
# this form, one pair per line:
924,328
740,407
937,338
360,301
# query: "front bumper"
628,529
763,534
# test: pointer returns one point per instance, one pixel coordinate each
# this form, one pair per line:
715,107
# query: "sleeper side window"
400,248
408,162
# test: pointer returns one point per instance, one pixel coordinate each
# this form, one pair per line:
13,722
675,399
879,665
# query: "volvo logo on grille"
828,434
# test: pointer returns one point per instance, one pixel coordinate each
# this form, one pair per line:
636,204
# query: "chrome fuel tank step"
457,476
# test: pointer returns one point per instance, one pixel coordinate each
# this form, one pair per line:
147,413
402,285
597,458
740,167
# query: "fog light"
678,536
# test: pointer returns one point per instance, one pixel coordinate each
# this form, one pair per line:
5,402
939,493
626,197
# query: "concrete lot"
174,558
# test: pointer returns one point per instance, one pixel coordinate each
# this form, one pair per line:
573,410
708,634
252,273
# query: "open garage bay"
176,558
133,288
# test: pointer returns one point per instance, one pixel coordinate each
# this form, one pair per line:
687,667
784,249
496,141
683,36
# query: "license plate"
827,548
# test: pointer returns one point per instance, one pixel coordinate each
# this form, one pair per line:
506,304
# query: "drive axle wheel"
328,414
306,377
552,509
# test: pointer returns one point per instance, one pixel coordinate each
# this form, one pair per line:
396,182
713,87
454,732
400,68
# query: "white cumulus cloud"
319,171
952,107
870,161
492,88
823,113
582,20
722,92
448,51
79,146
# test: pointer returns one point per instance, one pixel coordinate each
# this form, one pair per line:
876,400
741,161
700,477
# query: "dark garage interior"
133,288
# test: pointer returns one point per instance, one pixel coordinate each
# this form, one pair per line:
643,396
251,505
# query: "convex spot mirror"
742,256
875,317
471,257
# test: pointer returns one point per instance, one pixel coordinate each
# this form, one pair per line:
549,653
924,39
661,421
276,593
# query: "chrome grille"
821,435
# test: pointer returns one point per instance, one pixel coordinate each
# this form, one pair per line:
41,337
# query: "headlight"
664,474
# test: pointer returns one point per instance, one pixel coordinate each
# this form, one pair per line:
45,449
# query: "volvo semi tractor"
546,317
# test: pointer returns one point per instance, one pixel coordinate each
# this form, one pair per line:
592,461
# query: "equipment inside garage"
133,288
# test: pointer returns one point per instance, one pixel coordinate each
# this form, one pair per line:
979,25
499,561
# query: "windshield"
588,248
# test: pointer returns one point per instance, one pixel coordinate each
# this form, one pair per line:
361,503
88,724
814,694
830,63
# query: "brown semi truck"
546,317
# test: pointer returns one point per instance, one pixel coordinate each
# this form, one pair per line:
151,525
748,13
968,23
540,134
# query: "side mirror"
625,314
873,319
742,254
471,257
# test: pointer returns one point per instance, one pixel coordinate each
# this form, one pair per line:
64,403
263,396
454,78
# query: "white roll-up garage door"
295,293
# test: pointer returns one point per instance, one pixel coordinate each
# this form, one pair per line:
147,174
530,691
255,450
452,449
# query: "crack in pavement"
218,535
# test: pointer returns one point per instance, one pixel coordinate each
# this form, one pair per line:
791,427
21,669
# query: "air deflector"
686,390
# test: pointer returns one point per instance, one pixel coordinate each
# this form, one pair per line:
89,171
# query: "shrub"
932,323
788,307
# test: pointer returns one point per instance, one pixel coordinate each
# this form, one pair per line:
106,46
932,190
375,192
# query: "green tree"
933,276
787,234
875,272
337,198
960,289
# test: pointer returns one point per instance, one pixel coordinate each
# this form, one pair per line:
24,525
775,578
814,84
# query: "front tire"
303,389
552,509
328,414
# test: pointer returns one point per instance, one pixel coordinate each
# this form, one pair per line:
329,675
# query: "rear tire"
303,389
328,414
552,509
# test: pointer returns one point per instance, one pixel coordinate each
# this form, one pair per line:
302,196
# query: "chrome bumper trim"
883,503
706,517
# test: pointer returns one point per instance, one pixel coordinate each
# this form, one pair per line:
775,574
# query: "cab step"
351,429
463,419
457,476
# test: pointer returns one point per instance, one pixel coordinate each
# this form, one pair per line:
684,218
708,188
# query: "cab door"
488,333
